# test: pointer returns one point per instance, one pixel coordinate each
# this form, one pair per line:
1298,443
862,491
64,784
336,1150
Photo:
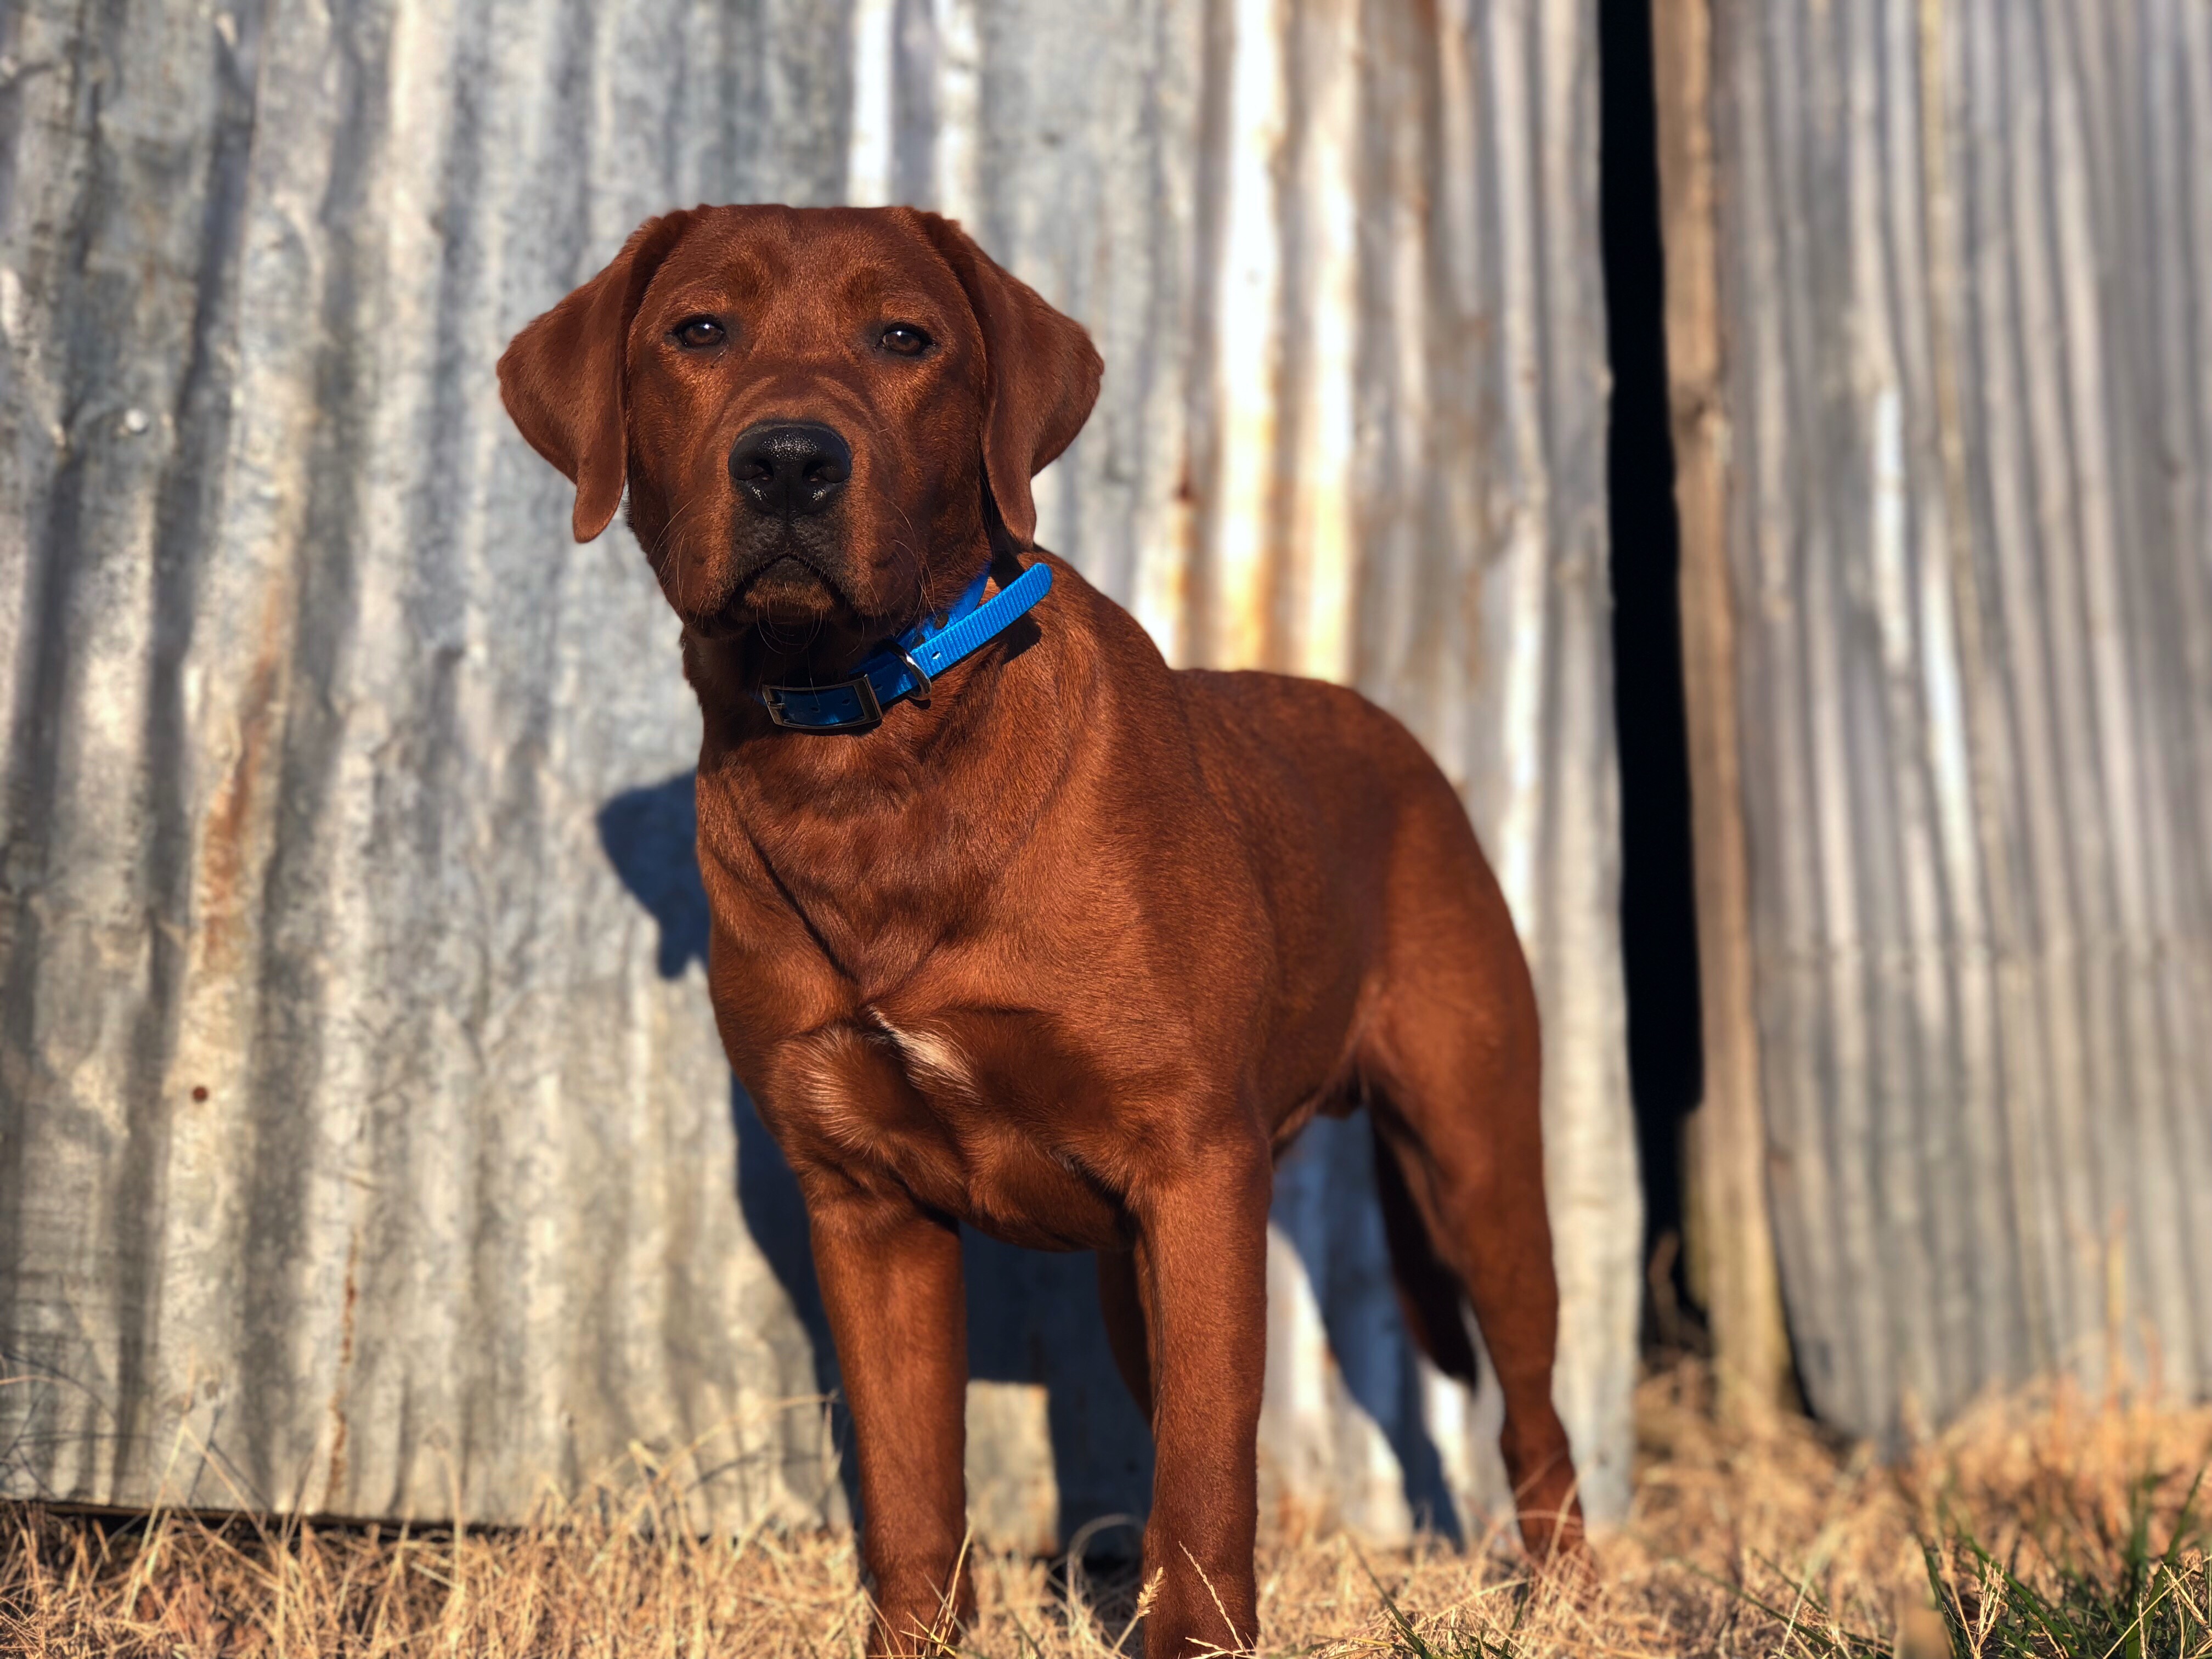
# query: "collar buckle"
863,691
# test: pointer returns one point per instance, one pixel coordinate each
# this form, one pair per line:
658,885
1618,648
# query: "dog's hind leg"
1429,1294
1128,1332
1460,1119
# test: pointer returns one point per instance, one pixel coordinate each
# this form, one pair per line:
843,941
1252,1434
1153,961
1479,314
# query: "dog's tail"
1429,1292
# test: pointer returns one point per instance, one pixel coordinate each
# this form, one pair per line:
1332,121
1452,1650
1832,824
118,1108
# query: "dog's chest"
972,1119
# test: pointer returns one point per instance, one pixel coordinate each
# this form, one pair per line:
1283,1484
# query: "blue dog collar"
909,663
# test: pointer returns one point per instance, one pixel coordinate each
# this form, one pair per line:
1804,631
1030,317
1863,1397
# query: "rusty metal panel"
1965,258
367,1145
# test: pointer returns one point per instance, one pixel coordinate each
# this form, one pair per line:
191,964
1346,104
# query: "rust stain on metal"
334,1477
229,825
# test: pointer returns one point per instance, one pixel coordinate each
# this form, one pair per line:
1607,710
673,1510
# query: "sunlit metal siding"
342,786
1965,263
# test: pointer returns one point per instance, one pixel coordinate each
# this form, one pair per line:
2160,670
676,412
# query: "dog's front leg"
1202,1260
892,1285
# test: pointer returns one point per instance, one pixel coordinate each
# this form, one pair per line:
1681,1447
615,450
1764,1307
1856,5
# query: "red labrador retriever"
1015,928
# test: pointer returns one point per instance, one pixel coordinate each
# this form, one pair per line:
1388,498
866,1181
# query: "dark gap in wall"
1658,905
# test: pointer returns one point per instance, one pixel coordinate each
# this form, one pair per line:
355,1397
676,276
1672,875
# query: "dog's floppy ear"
1042,374
562,377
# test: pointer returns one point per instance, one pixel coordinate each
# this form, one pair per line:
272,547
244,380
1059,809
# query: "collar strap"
906,666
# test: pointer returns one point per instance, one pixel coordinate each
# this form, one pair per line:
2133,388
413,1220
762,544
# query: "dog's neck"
940,798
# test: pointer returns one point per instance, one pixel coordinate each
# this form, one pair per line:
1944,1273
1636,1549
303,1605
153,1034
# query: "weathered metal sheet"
367,1145
1965,258
1728,1224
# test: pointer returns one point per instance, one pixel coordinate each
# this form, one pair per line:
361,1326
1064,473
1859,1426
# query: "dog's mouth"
786,592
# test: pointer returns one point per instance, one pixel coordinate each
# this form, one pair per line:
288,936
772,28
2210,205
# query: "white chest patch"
930,1060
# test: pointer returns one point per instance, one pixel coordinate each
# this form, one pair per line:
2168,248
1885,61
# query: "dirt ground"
2043,1524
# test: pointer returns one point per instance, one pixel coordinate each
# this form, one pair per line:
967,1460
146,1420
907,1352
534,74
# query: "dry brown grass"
1760,1539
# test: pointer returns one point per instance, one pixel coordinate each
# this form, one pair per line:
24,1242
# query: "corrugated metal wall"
1965,280
367,1145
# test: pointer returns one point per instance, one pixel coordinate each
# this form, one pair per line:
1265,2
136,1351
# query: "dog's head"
810,408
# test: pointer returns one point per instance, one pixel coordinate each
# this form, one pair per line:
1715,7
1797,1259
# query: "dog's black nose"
791,469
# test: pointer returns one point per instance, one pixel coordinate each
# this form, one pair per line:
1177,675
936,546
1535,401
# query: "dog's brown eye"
905,339
698,332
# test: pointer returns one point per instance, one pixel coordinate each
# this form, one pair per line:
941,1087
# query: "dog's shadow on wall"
1032,1317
